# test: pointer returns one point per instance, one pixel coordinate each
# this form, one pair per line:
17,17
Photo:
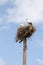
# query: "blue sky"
12,14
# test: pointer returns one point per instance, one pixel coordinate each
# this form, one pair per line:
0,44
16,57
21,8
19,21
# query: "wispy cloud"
2,62
32,9
22,9
40,61
2,2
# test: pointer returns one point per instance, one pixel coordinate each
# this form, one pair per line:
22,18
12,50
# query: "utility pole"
24,52
23,33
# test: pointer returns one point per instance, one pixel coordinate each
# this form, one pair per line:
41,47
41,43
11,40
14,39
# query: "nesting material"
25,32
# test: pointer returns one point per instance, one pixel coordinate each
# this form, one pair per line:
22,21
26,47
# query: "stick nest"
24,32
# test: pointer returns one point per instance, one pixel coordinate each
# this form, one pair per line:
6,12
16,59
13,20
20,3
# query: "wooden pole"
24,52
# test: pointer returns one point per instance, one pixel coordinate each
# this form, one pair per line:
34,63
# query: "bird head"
21,25
28,21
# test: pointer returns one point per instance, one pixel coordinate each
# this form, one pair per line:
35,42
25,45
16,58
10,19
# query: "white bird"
28,21
21,25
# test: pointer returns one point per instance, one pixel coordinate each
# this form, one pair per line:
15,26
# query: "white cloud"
39,61
2,62
32,9
2,2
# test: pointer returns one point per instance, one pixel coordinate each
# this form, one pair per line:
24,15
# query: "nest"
24,32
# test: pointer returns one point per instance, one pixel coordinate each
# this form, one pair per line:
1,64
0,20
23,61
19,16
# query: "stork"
28,21
21,25
20,33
